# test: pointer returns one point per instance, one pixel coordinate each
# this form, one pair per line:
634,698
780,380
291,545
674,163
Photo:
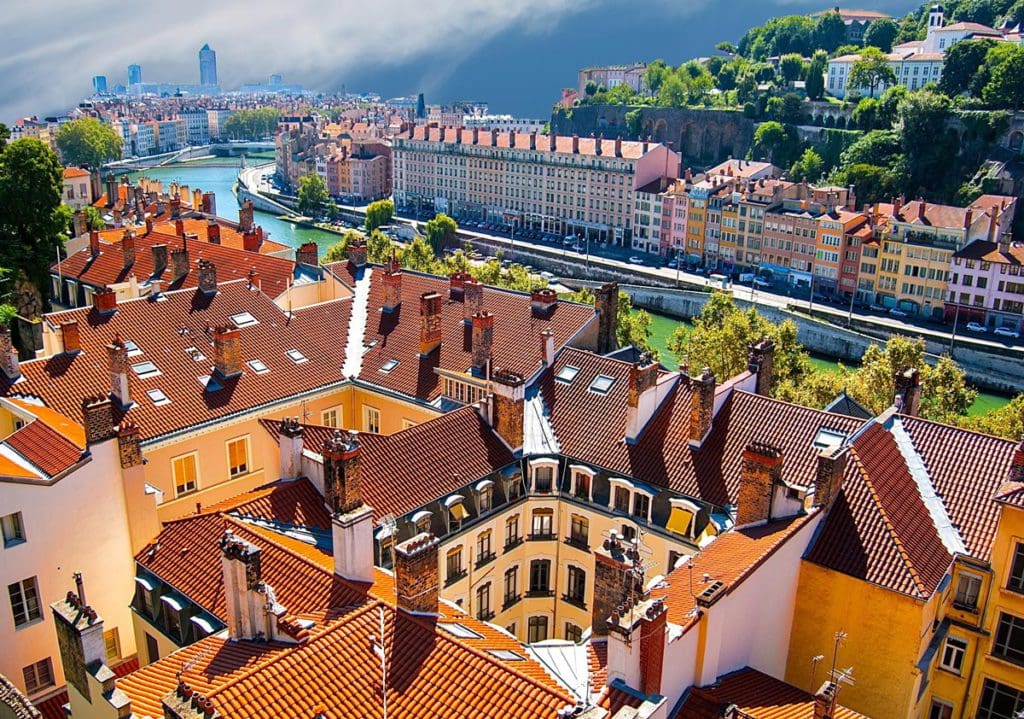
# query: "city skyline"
519,39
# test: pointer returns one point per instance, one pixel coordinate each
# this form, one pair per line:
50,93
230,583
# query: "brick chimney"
176,207
1017,464
128,249
8,355
245,217
547,346
94,243
922,208
760,471
472,299
357,252
83,652
607,302
290,443
352,519
543,301
392,285
159,253
762,363
416,580
129,444
908,391
207,278
612,562
825,701
70,337
653,630
179,263
149,225
828,478
98,419
702,406
482,341
213,232
117,364
897,205
507,406
430,322
179,227
599,144
643,400
251,241
227,351
78,223
308,254
342,475
209,203
533,140
111,182
456,285
618,147
197,199
575,144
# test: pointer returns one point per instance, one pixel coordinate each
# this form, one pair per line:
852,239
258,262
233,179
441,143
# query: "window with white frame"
542,475
238,456
371,419
642,506
456,511
582,480
330,417
421,520
968,588
953,651
13,529
940,710
185,470
24,596
542,523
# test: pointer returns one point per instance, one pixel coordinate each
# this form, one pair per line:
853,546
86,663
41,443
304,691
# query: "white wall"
78,524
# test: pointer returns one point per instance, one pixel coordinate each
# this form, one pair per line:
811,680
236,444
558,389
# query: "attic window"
459,630
388,366
601,384
370,345
195,354
506,655
826,438
244,319
145,370
133,349
257,366
158,397
296,356
567,374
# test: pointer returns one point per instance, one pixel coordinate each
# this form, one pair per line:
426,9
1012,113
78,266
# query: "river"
220,179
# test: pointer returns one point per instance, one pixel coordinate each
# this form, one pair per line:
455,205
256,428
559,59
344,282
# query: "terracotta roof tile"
73,172
990,252
587,146
53,707
295,502
45,447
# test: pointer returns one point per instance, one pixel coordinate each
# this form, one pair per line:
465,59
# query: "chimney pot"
416,579
482,341
543,301
227,351
207,278
761,470
104,300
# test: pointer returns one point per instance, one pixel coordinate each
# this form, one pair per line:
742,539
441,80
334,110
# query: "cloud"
54,47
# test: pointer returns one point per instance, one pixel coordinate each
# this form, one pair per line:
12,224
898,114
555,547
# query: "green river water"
218,176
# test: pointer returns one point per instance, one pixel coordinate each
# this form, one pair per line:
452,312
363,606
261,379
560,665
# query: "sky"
515,54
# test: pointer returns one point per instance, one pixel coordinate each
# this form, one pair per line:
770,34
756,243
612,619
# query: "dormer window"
630,498
484,495
683,519
421,520
542,475
456,511
581,482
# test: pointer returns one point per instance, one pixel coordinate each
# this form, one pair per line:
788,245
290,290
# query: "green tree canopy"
871,71
255,124
775,141
655,74
312,195
1006,421
809,167
866,113
816,75
790,67
379,213
633,327
441,232
961,65
88,143
830,31
881,33
1005,86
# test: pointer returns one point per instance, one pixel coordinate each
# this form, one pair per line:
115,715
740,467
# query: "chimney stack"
416,579
210,203
8,355
207,278
111,184
456,285
922,207
213,232
547,346
70,337
430,322
908,391
117,363
828,479
251,241
825,701
702,407
176,207
128,248
244,590
507,406
159,253
543,301
94,243
392,284
533,140
308,254
762,363
78,223
1017,464
618,147
761,470
179,227
607,302
179,263
129,444
98,419
245,217
79,632
613,580
352,519
149,225
104,300
472,299
643,400
227,351
357,252
289,440
494,137
575,144
482,341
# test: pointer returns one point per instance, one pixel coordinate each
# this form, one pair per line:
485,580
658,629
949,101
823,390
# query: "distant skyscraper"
207,66
134,74
421,106
99,84
275,79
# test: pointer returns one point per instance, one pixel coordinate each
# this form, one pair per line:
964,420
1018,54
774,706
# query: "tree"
790,67
877,147
774,141
830,31
93,218
312,195
871,71
866,112
726,47
379,213
590,89
654,75
926,145
791,109
889,105
441,232
252,124
881,33
633,327
873,183
32,219
816,75
809,167
88,143
673,92
332,210
961,65
1006,422
5,135
1005,87
726,79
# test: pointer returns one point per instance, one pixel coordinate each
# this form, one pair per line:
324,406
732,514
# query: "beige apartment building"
570,185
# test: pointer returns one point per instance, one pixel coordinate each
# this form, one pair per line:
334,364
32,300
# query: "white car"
897,312
976,327
761,282
1007,332
636,260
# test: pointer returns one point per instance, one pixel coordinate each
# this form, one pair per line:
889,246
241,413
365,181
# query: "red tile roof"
631,149
73,172
990,252
45,447
756,695
53,707
295,502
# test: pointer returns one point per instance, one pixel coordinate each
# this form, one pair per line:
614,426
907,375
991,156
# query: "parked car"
745,278
976,327
1007,332
897,312
672,264
761,282
636,260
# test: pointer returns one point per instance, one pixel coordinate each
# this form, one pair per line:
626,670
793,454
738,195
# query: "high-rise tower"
207,66
134,74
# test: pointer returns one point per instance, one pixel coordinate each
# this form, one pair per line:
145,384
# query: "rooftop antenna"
838,676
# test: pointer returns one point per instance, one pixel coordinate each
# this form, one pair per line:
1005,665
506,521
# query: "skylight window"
506,655
460,630
601,384
567,374
145,369
257,366
244,319
195,354
158,397
370,345
826,438
389,365
296,356
133,349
